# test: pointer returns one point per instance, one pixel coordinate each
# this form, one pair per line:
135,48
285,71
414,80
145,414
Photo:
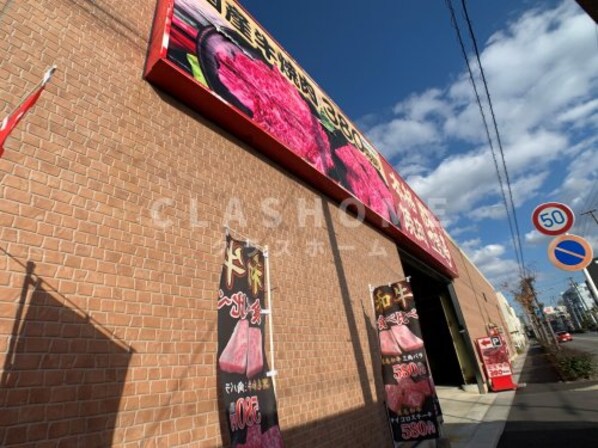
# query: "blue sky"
396,70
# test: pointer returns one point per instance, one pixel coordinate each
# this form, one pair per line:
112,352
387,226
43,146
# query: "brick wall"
107,319
111,335
477,299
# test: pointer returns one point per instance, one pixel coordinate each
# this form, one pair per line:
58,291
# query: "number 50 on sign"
553,218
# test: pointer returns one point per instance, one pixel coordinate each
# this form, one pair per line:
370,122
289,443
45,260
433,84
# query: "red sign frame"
418,231
562,207
496,363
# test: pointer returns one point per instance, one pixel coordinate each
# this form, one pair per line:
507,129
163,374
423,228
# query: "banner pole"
270,316
371,289
45,80
371,295
10,122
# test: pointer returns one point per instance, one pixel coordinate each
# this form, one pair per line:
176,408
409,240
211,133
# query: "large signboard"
212,55
411,400
247,391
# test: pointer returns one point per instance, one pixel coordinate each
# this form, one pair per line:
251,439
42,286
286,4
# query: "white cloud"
456,231
527,187
462,179
419,107
542,71
579,112
495,211
467,179
524,189
412,169
535,238
490,260
469,245
582,175
399,135
593,240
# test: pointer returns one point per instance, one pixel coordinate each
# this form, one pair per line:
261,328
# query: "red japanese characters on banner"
215,57
412,405
246,388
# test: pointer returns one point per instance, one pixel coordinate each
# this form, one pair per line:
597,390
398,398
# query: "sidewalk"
551,413
473,420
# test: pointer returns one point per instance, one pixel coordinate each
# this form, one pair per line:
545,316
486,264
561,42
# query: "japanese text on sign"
246,27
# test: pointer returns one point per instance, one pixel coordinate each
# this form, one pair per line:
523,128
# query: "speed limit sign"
553,218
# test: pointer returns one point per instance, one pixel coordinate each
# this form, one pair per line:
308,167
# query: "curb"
489,432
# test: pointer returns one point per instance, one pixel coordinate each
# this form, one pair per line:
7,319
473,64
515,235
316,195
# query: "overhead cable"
487,129
498,139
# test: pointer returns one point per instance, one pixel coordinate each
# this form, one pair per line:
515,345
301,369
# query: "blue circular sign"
570,252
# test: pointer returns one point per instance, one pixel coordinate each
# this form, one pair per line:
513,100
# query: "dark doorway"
440,348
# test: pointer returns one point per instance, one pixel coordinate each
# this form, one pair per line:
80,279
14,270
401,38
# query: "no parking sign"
567,252
570,252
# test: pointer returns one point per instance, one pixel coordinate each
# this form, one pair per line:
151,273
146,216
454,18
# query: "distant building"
579,303
514,325
560,319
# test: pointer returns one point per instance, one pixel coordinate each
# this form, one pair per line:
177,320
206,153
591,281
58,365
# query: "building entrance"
435,312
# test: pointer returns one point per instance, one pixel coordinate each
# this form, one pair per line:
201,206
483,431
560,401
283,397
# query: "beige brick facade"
110,340
477,300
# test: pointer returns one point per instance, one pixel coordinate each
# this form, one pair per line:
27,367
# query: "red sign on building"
212,55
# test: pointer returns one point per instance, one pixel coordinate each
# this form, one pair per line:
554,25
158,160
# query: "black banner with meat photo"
246,389
411,400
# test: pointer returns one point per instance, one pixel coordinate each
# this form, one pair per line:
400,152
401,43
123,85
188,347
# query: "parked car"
564,336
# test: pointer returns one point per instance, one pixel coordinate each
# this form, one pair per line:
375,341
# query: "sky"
396,69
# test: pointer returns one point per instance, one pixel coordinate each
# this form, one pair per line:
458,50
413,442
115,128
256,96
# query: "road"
549,413
587,342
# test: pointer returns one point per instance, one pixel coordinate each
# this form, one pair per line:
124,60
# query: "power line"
589,202
490,143
592,214
498,139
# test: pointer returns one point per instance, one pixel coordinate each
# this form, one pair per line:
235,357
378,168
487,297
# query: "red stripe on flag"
10,122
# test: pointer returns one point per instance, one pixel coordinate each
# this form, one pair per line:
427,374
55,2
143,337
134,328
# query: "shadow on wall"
347,304
355,428
365,426
63,376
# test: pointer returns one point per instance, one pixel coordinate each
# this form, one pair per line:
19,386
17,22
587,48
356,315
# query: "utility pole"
591,213
574,312
544,325
590,282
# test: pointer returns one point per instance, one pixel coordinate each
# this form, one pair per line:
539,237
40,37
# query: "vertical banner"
246,388
411,400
